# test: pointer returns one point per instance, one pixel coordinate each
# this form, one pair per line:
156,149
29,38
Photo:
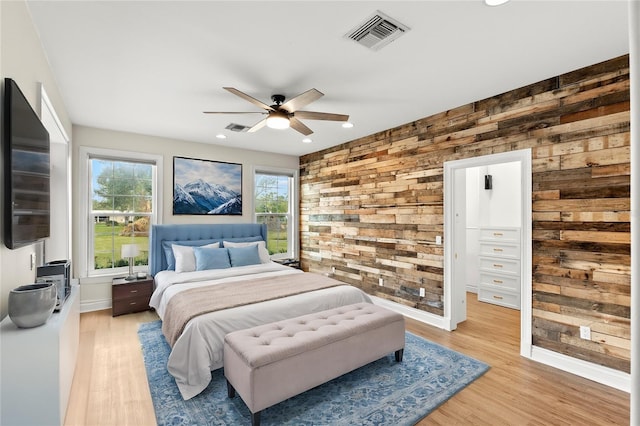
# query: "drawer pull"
497,281
132,303
497,234
497,249
133,291
498,297
497,265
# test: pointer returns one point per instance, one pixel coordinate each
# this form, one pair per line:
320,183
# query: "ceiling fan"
282,115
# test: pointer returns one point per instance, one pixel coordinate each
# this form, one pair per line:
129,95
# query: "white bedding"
199,349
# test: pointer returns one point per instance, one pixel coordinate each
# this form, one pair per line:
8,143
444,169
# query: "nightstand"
294,263
130,296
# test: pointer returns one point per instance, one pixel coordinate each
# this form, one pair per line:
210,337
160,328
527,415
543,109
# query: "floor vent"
377,31
237,127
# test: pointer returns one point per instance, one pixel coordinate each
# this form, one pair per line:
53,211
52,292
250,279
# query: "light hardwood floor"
110,385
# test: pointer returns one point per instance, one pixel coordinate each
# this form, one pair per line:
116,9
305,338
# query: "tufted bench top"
265,344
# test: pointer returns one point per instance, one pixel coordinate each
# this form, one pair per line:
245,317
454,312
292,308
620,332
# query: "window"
274,204
121,207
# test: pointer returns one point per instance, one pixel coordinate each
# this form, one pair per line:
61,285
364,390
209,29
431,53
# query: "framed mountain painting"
205,187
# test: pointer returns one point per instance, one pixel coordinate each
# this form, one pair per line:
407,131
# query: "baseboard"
598,373
413,313
95,305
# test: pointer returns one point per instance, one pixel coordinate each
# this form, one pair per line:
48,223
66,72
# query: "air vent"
237,127
377,31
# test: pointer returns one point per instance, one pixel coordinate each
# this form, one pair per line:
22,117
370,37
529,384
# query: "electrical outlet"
439,239
32,260
380,282
585,332
422,293
333,269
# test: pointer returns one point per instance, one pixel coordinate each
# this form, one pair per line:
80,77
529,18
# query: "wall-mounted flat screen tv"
25,152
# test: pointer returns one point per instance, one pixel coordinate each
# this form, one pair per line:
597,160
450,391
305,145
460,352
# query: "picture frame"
206,187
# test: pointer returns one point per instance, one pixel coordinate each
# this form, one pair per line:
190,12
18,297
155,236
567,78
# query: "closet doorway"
499,245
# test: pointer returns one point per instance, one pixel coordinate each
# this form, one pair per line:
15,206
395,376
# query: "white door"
459,273
58,245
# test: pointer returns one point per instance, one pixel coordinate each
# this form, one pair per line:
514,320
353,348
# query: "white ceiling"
153,67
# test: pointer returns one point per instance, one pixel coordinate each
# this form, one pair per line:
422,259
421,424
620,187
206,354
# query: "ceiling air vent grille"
237,127
377,31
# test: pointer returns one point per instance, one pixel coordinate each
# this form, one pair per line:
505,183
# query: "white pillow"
186,258
262,248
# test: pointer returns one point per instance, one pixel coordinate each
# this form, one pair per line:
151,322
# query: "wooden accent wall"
372,207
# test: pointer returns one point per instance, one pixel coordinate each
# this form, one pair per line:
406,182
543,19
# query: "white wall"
501,202
95,293
22,59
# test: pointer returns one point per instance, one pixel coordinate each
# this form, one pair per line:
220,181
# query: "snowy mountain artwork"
203,187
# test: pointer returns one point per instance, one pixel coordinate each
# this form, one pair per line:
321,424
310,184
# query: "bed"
200,298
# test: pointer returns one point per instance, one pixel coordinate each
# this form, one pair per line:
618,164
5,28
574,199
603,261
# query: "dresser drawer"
507,235
503,281
500,265
497,297
134,289
506,250
129,305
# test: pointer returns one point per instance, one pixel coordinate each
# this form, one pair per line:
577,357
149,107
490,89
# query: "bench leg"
255,419
231,392
399,354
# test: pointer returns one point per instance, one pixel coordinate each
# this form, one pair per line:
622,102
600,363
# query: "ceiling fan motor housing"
278,99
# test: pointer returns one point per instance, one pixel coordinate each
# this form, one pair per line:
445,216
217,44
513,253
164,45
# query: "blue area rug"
381,393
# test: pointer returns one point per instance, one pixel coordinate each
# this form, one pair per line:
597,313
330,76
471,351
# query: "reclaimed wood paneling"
371,208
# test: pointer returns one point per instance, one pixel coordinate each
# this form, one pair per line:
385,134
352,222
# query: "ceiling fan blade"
259,125
233,112
302,100
248,98
311,115
298,126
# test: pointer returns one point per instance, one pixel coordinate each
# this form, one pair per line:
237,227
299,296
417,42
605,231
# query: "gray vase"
31,305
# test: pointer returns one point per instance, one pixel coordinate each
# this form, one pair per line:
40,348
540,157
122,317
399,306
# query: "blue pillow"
243,256
211,258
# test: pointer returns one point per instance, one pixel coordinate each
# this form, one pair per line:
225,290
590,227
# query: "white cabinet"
38,365
499,266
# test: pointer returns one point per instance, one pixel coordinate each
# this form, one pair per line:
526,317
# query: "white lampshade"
278,120
130,250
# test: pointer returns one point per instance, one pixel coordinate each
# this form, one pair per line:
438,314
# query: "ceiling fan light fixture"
347,125
278,120
495,2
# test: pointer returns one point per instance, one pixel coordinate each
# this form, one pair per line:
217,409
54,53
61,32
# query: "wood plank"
597,237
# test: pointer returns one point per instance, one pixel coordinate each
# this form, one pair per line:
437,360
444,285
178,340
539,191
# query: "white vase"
31,305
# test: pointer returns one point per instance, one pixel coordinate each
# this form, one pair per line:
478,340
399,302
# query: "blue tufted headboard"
191,232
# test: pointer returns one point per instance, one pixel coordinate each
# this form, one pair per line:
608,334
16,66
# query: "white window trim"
85,154
295,209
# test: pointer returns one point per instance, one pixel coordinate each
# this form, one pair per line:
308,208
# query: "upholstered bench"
273,362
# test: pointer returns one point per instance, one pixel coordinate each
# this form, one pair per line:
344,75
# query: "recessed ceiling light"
221,136
306,140
347,125
495,2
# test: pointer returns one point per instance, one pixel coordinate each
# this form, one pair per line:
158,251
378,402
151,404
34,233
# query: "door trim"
524,157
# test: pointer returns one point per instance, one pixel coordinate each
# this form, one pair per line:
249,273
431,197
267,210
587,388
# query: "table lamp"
130,251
